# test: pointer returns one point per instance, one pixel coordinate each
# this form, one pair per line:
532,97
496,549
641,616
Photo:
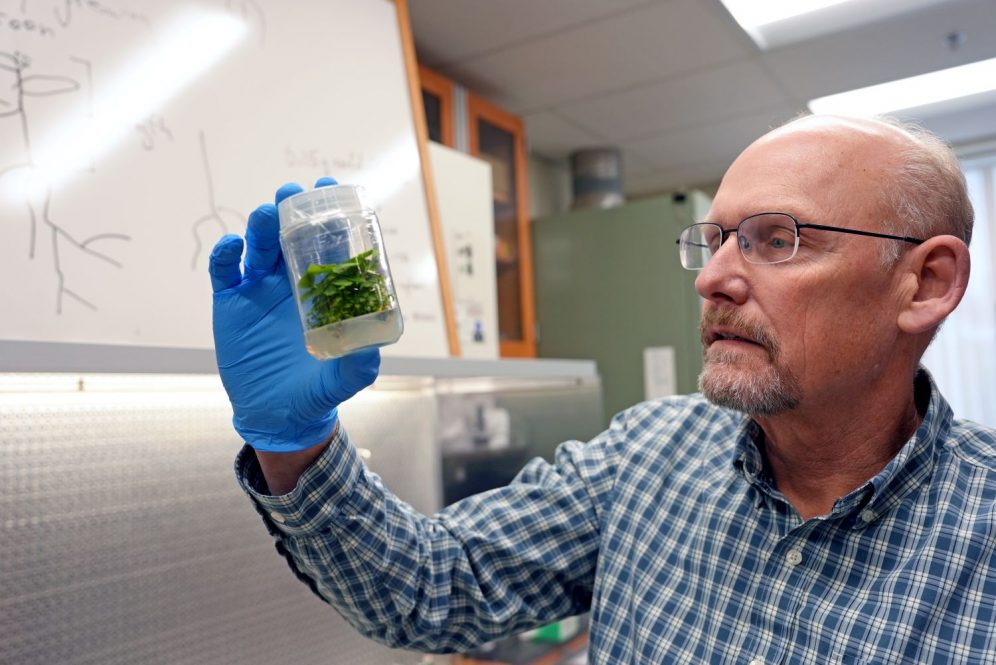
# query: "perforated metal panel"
125,539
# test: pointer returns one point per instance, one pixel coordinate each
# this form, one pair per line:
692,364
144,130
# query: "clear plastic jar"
336,261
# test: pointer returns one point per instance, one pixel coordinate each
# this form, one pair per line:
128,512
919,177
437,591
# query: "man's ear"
939,268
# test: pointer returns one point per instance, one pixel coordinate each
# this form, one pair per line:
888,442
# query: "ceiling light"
752,14
773,23
942,90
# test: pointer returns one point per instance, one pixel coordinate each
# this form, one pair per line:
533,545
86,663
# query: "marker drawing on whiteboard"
215,211
465,259
409,285
24,24
36,189
152,127
308,157
88,68
351,162
65,18
313,158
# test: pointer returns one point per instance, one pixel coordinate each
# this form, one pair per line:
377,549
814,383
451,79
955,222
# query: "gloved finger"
224,263
263,239
326,181
346,376
289,189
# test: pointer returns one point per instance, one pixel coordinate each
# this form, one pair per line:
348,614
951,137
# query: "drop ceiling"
677,85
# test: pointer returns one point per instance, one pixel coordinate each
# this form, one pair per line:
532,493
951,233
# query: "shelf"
513,368
24,356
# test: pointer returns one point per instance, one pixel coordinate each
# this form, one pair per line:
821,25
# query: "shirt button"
794,557
867,516
757,661
277,517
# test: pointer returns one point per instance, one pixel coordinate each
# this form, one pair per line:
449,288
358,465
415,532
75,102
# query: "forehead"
813,170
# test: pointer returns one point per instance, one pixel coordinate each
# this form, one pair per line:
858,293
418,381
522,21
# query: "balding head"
921,190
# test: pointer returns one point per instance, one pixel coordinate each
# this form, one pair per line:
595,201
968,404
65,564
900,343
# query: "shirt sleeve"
491,565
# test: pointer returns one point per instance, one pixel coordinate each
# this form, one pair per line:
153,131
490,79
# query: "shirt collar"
908,470
748,458
912,466
749,461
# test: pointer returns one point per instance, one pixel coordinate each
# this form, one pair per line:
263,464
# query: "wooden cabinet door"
437,98
499,138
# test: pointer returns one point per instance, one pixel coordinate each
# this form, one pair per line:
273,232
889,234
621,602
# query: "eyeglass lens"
764,238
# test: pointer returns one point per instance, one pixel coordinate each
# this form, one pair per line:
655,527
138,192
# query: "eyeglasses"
767,237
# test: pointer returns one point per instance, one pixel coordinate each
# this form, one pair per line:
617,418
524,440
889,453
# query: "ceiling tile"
635,166
880,52
688,176
447,31
675,83
831,18
712,142
633,48
965,126
553,136
704,96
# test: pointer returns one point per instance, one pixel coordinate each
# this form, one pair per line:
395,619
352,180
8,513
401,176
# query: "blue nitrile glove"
283,399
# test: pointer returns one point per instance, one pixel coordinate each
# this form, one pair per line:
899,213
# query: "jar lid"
319,202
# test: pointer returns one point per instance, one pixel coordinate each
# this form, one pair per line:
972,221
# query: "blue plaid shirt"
666,527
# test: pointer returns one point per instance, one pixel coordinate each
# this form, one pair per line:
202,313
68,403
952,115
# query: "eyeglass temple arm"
915,241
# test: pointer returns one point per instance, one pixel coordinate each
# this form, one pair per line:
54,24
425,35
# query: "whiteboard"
134,134
466,214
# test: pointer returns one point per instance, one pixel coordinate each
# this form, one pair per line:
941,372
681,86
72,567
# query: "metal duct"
596,175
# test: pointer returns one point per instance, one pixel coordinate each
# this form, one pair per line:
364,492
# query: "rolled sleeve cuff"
313,503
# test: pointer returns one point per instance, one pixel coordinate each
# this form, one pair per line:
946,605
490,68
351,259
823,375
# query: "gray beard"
745,383
757,393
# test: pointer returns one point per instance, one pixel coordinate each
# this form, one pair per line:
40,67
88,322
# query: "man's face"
816,329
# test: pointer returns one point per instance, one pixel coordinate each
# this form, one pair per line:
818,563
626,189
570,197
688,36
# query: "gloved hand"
283,398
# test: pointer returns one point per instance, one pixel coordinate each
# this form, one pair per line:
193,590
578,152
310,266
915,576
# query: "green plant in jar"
340,291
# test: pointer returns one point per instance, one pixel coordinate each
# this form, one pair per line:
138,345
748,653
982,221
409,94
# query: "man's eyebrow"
733,220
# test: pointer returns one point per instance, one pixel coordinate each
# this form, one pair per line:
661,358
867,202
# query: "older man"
817,503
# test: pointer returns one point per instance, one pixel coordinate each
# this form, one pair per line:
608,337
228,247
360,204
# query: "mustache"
729,318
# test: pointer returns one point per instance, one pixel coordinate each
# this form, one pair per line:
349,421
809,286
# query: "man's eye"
779,243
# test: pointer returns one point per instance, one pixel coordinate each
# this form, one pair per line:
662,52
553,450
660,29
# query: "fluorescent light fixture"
190,46
774,23
944,87
751,14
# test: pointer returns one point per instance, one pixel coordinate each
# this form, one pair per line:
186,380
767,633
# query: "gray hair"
928,196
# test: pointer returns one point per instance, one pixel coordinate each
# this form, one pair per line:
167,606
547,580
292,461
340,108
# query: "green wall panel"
609,284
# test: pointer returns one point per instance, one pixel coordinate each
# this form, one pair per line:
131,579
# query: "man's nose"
723,279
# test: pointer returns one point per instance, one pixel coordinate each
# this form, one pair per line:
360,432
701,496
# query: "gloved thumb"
346,376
